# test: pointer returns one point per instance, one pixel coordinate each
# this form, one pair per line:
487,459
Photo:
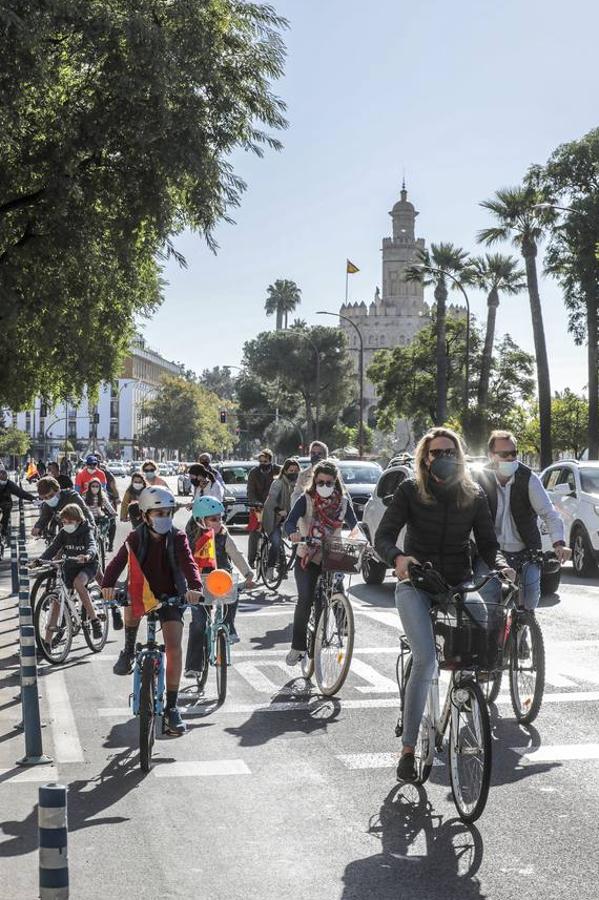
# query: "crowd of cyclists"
461,522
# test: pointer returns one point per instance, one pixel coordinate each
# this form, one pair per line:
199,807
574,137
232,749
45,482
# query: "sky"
462,96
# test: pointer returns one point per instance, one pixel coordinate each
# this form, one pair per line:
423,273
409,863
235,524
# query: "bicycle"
464,646
285,560
57,617
522,650
149,680
217,643
102,529
330,630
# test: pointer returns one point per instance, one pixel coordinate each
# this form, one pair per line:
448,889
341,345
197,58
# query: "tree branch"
25,237
23,200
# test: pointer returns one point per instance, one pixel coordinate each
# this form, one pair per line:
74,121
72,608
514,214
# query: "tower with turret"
395,315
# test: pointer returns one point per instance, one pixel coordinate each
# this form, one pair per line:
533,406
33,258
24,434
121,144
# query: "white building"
115,425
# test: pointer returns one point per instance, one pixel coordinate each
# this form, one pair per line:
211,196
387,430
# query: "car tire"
583,559
373,571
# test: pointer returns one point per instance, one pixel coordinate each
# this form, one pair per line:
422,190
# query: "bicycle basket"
473,644
225,599
342,556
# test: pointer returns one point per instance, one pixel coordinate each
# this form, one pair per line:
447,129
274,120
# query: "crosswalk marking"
201,768
34,773
561,752
375,682
253,673
368,760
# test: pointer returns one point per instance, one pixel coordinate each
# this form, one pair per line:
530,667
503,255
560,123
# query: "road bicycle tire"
279,570
527,696
60,648
202,678
147,714
307,660
102,553
333,645
96,645
41,585
470,750
490,689
221,666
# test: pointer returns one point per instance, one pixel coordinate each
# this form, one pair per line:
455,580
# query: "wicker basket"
472,644
342,556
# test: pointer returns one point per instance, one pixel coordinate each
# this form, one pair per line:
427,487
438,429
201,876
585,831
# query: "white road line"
561,752
259,680
33,773
375,682
67,747
205,767
368,760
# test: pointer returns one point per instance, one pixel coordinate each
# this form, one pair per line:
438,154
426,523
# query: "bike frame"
215,624
155,654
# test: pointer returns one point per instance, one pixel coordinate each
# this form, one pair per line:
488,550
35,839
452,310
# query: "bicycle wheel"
97,644
202,678
334,644
41,585
221,666
278,570
61,634
307,660
102,551
491,687
147,713
527,668
470,754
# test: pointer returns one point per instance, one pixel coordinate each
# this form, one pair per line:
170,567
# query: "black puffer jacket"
438,532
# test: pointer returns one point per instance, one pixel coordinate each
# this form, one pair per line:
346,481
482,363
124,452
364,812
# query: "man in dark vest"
518,499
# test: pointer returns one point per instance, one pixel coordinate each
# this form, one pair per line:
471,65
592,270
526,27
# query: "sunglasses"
443,451
506,454
321,483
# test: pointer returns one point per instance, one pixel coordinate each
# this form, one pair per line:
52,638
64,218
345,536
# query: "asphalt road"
281,794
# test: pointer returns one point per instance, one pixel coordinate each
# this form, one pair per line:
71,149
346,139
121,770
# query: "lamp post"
324,312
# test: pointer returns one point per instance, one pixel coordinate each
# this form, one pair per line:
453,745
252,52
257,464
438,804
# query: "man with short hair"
259,481
53,500
89,471
517,499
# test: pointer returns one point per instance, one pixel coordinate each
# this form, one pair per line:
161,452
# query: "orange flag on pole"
141,598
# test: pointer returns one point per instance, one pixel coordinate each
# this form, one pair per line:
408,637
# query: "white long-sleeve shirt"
505,527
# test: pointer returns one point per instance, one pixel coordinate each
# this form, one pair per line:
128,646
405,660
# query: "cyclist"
318,451
277,508
204,482
259,481
89,471
213,548
114,497
441,505
63,479
8,490
130,510
319,513
76,541
54,499
149,470
517,500
97,501
163,554
206,460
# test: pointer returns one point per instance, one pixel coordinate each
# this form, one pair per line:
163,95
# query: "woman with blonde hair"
440,507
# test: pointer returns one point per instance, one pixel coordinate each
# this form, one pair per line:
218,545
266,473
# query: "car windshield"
589,481
353,474
235,474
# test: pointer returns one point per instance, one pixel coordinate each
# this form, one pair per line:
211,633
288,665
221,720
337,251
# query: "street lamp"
324,312
295,332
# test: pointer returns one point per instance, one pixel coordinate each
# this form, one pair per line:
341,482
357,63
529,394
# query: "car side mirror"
564,490
387,499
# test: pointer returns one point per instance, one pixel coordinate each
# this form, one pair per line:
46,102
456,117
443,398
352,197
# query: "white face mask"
325,490
150,474
53,501
95,489
137,486
70,527
507,467
3,481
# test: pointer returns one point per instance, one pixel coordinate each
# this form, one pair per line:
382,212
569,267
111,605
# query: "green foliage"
117,123
185,416
219,381
569,415
14,442
282,298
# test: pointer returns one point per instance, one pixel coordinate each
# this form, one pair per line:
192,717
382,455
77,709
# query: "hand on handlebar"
194,597
295,538
402,564
508,573
563,554
108,593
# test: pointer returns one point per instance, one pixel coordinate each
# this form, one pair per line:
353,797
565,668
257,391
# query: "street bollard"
14,562
53,858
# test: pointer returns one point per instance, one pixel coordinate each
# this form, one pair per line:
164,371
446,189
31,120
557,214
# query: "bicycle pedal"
398,730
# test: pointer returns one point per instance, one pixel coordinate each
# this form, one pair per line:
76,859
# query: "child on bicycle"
97,500
161,554
76,542
213,548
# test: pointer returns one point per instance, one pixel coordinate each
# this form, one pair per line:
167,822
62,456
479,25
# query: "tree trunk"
310,428
441,352
286,319
487,358
279,319
529,252
593,376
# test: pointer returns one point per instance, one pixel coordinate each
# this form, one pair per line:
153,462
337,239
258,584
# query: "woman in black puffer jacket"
440,506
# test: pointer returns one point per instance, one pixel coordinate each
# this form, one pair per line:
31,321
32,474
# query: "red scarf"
327,517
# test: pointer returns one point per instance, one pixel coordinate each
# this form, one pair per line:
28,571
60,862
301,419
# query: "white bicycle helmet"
156,498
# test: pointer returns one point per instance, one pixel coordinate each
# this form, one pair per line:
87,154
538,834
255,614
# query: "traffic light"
96,418
43,410
223,417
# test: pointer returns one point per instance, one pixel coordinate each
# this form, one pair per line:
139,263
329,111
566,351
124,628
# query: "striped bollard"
53,859
14,562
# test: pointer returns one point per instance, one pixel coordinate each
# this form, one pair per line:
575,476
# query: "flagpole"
346,282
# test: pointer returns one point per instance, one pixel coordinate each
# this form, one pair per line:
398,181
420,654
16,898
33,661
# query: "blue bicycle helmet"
206,506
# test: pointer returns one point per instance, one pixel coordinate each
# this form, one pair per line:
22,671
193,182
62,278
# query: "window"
589,480
236,474
114,431
551,478
351,474
568,477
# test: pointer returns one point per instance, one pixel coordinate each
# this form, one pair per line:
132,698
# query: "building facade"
115,424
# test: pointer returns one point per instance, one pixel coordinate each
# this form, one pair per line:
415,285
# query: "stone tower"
394,317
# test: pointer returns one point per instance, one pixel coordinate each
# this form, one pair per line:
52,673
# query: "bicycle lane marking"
67,746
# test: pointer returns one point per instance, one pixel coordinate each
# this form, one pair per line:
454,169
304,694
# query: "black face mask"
265,467
291,476
445,468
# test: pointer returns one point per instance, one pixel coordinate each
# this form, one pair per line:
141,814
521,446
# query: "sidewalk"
18,785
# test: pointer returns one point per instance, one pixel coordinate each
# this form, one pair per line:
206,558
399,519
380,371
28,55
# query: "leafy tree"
184,416
219,381
282,298
118,119
570,419
519,219
14,442
493,273
435,267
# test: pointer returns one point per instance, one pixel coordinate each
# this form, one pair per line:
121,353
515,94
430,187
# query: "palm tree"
283,297
494,273
434,267
520,220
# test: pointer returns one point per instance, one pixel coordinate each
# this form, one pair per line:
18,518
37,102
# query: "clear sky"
462,94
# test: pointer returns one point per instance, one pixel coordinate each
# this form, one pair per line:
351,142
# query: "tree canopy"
117,123
185,416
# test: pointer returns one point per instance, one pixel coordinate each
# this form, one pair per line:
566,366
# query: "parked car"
574,490
374,568
235,475
360,478
117,469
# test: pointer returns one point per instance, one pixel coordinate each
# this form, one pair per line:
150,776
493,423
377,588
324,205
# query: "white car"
373,568
574,490
118,469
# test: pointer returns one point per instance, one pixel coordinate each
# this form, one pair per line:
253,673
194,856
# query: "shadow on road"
375,594
262,727
510,742
422,857
273,638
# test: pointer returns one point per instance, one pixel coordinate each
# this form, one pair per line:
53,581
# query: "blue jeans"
306,585
196,642
273,550
529,580
414,608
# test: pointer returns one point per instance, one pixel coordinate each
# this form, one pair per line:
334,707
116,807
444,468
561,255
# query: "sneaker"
117,618
233,636
97,630
192,674
124,664
294,657
173,723
406,770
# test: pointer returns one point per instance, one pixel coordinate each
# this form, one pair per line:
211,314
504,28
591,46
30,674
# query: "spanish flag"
204,551
141,598
351,268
